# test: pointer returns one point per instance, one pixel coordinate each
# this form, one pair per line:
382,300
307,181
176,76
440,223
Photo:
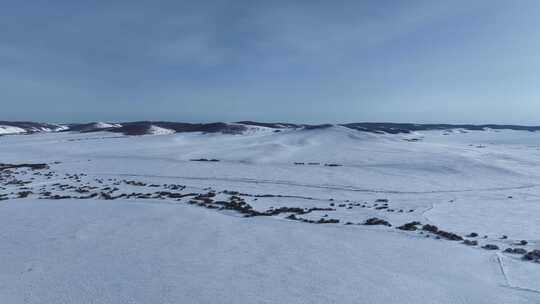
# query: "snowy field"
270,217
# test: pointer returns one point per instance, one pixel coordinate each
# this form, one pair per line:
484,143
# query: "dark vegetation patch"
490,247
532,256
237,203
269,125
204,160
430,228
142,127
134,183
412,139
317,164
230,192
30,127
409,226
449,235
88,127
515,250
78,186
39,166
397,128
470,242
435,230
374,221
319,221
24,194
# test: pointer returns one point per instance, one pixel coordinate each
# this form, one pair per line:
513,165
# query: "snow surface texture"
131,243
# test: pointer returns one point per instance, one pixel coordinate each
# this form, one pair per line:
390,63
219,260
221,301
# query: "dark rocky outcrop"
409,226
144,127
532,255
39,166
490,247
397,128
449,235
515,250
430,228
204,160
376,221
24,194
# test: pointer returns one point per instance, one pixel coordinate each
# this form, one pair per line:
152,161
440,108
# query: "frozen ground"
137,239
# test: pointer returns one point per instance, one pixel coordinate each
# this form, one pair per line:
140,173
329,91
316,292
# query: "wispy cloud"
347,60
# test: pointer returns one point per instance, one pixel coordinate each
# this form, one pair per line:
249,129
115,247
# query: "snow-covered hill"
150,127
155,130
92,127
11,130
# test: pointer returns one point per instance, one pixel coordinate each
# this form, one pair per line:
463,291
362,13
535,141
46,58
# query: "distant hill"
166,127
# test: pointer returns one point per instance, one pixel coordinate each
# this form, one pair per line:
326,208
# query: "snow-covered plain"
162,250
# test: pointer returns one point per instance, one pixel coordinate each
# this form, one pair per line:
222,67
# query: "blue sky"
298,61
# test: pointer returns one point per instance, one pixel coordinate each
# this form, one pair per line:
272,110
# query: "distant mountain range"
165,127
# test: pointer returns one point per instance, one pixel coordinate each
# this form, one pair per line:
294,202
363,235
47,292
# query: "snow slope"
7,127
105,125
155,130
11,130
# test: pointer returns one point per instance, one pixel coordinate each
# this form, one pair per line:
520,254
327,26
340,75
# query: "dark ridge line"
143,127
